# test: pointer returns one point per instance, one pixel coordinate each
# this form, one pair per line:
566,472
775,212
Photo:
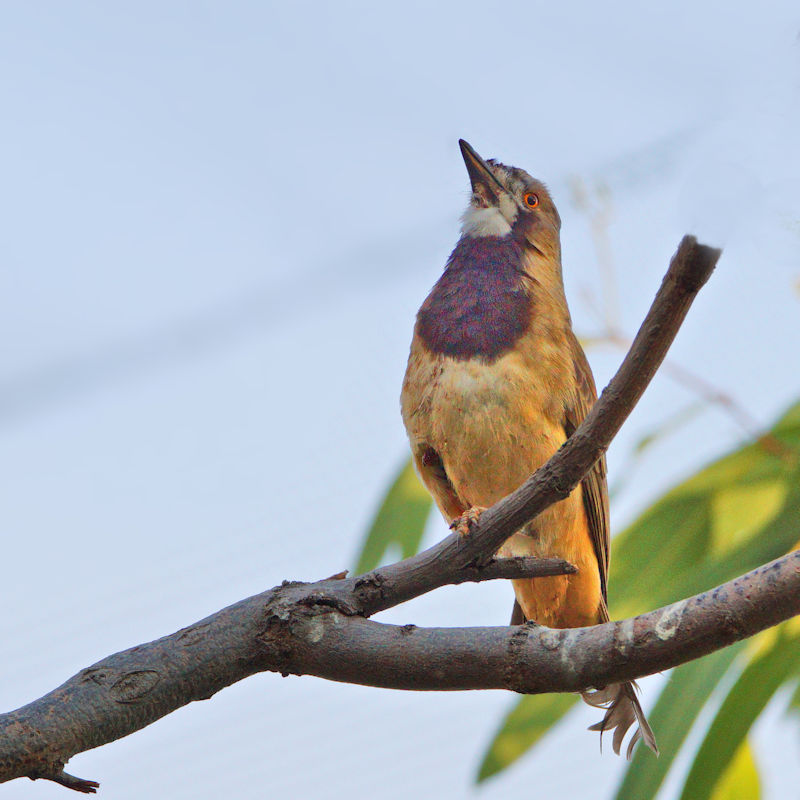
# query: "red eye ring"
531,199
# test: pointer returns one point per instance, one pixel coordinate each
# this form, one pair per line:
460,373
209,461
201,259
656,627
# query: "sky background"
218,221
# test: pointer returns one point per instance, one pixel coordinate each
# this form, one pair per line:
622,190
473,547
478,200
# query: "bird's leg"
464,524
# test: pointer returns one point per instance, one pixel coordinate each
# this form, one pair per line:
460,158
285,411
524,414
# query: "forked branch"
323,628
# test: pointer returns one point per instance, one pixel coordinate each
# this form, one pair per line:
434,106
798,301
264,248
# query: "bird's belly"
493,426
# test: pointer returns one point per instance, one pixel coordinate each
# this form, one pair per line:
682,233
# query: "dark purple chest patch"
479,307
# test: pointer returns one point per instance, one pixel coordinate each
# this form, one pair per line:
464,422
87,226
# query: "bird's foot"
464,524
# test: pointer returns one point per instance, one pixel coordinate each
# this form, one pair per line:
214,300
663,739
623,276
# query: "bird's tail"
622,710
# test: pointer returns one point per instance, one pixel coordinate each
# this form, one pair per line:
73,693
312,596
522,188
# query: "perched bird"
496,382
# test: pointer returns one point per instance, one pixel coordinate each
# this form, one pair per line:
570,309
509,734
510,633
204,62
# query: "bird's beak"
482,178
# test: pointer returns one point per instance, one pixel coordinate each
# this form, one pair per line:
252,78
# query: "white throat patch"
493,221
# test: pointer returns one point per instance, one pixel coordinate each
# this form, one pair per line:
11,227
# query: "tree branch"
322,628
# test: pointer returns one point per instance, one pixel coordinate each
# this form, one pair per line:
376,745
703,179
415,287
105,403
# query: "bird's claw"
464,524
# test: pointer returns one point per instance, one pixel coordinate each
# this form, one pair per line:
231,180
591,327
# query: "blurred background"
218,222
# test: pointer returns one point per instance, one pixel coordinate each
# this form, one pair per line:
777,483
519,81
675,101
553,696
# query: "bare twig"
516,567
322,628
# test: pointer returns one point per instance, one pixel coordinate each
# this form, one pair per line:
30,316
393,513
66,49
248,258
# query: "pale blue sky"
218,222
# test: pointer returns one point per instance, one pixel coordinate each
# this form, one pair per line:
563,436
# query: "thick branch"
294,630
322,629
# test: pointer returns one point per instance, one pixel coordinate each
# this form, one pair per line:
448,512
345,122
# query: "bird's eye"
531,199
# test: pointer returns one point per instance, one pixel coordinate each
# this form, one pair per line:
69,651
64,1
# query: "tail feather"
622,710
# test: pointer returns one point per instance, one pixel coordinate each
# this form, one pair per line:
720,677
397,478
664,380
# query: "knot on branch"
322,599
559,486
276,634
124,686
515,665
132,686
296,616
370,589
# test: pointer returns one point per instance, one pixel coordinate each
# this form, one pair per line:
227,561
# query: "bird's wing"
517,617
595,484
434,475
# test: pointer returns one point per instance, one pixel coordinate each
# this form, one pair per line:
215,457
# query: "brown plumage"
496,382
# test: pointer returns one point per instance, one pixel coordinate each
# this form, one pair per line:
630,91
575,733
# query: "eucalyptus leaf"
678,706
736,513
740,781
759,681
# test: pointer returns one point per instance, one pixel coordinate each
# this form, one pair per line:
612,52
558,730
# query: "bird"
496,382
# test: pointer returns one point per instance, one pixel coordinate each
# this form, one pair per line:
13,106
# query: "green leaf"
672,717
737,513
741,512
530,718
740,780
762,677
399,521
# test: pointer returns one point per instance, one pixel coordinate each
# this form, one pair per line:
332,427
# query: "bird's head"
507,202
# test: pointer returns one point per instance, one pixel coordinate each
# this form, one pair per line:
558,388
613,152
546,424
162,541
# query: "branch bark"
322,628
